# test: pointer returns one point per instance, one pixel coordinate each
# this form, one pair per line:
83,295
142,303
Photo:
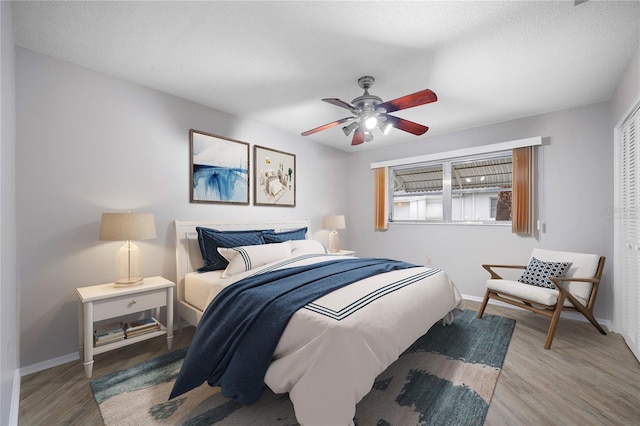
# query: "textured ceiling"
488,61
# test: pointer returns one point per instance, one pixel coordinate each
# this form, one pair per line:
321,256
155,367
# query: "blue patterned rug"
446,377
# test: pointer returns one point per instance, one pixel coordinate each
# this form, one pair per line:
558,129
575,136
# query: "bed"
334,347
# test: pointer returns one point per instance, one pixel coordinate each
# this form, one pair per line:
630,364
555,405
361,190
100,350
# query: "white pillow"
245,258
300,247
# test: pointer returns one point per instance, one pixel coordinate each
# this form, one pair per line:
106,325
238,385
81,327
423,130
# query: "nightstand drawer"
122,305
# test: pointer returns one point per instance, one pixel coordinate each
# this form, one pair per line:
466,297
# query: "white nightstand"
343,253
105,301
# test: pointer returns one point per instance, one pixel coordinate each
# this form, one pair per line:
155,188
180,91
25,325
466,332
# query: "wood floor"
585,379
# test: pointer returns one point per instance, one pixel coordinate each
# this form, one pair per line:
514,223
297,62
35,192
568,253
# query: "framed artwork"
274,176
219,169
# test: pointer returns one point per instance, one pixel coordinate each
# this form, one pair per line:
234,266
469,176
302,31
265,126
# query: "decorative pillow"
245,258
280,237
300,247
538,272
210,239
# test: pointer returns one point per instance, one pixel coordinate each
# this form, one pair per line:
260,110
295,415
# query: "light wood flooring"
585,379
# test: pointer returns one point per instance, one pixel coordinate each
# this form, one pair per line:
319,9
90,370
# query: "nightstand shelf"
130,341
106,301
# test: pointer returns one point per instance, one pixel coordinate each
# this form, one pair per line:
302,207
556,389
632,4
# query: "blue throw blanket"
239,331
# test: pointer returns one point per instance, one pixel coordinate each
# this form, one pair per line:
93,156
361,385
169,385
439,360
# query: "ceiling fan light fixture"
371,122
368,136
385,128
350,128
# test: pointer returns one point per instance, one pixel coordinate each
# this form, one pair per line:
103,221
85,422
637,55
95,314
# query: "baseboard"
44,365
15,399
569,315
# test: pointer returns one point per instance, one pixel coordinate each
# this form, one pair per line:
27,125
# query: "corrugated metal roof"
493,173
419,179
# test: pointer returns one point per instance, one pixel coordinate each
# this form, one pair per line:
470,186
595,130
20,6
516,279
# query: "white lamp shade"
334,222
127,226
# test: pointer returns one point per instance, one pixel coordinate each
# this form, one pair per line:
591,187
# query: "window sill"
468,223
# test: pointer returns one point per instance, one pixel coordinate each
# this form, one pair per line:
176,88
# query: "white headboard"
188,257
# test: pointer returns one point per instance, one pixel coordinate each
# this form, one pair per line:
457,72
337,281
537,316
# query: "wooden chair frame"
551,311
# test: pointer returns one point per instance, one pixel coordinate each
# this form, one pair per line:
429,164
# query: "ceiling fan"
370,112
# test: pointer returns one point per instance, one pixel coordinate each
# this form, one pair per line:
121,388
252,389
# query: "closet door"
628,239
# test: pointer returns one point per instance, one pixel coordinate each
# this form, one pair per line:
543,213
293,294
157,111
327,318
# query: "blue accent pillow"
281,237
538,272
210,239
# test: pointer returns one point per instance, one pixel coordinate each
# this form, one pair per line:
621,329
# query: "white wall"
627,91
9,382
577,182
88,143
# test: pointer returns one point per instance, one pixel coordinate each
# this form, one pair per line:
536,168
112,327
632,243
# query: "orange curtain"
380,199
522,186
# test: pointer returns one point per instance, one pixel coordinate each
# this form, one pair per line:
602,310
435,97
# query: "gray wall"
88,143
8,284
577,182
628,91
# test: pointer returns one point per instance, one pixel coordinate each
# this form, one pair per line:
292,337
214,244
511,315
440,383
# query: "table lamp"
334,222
127,227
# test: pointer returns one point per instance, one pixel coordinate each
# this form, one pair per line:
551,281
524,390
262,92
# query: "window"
472,189
417,193
460,186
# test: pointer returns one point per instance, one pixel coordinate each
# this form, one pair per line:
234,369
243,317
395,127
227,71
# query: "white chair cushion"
582,266
545,296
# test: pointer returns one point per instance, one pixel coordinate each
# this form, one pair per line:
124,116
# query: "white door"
627,243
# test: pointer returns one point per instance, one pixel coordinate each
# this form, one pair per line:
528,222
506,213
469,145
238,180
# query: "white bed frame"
189,259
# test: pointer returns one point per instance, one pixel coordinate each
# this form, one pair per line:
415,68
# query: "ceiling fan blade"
409,101
327,126
343,104
358,137
406,125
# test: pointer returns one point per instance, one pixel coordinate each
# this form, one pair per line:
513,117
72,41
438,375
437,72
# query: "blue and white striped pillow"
246,258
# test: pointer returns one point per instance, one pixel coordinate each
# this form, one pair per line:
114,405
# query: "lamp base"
126,283
334,242
128,262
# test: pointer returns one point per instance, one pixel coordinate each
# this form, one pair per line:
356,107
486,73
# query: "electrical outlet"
428,261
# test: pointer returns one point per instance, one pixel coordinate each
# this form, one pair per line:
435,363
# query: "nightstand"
106,301
343,253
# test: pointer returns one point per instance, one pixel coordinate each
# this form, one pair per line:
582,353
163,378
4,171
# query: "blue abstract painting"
219,169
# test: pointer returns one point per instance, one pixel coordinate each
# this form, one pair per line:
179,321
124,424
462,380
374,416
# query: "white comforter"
332,350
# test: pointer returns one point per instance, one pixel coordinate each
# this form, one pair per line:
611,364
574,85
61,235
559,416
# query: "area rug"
446,377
